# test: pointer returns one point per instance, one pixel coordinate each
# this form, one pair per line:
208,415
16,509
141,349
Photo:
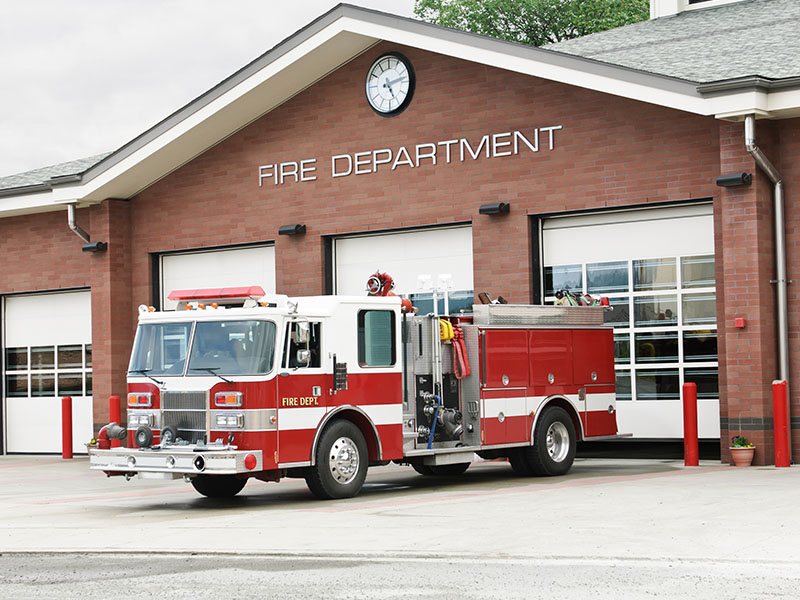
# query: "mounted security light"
734,179
292,229
95,247
498,208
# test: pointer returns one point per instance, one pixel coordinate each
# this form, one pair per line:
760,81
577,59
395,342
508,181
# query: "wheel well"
567,406
360,420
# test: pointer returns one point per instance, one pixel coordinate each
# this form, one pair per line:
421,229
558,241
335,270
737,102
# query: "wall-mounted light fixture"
95,247
292,229
734,179
498,208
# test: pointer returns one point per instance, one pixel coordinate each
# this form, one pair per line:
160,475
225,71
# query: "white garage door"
217,268
47,354
657,268
443,254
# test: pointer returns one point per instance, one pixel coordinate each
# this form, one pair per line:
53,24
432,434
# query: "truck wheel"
421,468
450,470
519,462
341,462
554,443
218,486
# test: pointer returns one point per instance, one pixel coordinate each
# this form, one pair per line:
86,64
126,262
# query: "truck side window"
314,346
376,338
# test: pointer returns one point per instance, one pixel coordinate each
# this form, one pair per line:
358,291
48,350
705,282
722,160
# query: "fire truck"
235,384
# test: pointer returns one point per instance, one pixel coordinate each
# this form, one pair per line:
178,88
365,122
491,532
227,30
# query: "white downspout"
74,226
780,254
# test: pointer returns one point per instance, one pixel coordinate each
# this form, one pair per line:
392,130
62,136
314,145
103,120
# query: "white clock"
390,84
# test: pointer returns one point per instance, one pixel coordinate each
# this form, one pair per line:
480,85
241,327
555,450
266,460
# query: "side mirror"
302,332
303,358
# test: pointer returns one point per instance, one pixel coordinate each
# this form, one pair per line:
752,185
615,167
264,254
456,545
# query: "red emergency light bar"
252,291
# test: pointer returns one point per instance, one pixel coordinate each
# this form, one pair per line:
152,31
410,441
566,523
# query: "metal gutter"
780,253
754,83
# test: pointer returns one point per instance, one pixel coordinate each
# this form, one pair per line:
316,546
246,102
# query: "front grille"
186,412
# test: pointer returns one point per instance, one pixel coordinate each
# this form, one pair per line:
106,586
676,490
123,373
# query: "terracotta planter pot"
742,457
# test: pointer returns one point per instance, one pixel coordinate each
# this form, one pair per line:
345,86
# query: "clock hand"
393,81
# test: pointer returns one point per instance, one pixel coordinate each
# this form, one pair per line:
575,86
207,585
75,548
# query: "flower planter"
742,457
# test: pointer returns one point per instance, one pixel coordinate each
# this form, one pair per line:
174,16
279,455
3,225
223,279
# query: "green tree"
535,22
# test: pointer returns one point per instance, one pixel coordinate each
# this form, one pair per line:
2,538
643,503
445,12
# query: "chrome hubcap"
343,460
557,441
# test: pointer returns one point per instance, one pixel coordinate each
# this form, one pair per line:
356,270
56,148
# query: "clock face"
390,84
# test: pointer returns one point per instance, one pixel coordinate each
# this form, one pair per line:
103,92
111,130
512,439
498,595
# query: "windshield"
232,348
160,349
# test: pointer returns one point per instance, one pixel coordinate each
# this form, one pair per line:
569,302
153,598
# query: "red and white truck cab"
236,384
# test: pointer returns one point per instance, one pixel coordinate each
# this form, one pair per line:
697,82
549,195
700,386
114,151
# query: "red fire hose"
460,359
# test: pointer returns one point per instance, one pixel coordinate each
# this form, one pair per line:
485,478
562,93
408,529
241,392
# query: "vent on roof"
667,8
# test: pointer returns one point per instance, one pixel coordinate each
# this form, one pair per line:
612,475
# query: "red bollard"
66,427
780,421
690,445
114,417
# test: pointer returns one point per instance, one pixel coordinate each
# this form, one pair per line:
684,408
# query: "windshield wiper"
213,371
144,372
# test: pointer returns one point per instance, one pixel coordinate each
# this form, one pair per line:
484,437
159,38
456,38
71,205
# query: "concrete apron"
634,509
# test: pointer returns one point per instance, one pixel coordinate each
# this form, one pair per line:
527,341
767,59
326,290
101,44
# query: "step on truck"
237,385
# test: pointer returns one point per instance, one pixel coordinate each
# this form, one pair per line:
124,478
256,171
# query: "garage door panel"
656,265
46,350
405,256
219,268
48,319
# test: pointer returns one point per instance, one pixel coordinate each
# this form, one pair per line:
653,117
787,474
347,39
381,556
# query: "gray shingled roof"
43,175
742,39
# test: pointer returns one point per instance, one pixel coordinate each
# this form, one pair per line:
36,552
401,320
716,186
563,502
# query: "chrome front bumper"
174,461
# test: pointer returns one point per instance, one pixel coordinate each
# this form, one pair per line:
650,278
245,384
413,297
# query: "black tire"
218,486
169,434
424,470
519,462
334,475
143,437
555,426
450,470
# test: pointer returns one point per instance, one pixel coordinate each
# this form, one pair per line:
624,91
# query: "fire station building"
656,164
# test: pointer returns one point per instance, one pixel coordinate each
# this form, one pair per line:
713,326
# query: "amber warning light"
228,399
139,400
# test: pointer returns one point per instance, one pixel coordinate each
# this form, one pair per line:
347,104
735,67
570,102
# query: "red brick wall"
610,152
745,265
39,252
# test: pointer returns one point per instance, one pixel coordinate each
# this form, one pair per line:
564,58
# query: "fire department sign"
494,145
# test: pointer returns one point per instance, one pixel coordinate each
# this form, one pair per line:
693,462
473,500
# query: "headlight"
228,420
138,419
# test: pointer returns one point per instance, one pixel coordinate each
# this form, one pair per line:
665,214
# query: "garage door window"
664,318
48,371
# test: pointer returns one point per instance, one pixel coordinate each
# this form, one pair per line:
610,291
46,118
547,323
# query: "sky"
83,77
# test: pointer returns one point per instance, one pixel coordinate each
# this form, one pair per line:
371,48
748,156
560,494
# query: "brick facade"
610,152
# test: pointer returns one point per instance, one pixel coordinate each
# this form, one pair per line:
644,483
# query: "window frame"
361,346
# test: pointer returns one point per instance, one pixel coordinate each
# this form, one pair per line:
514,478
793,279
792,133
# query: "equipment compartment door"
504,377
594,372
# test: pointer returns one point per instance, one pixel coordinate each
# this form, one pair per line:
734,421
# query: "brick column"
501,247
745,259
113,313
299,265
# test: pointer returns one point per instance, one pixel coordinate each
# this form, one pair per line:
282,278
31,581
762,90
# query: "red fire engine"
235,384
